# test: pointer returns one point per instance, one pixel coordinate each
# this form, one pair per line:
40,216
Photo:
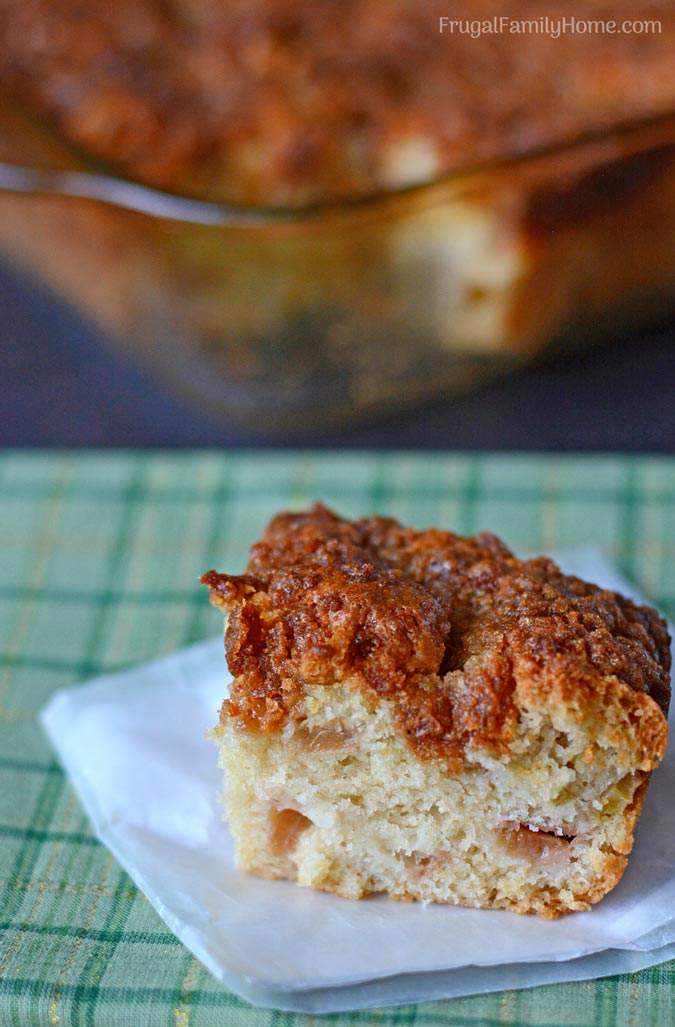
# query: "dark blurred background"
63,386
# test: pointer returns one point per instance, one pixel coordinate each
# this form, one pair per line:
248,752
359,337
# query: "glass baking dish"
301,319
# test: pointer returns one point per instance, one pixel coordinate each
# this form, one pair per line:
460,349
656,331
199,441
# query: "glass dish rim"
126,193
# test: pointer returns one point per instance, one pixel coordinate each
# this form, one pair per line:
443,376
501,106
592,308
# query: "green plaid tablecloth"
99,560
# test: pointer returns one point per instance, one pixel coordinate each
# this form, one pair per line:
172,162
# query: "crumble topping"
442,625
299,101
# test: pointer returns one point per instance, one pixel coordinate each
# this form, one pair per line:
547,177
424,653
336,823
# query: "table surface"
99,559
63,386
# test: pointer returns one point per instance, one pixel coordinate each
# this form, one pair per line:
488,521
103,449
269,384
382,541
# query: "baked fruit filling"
424,715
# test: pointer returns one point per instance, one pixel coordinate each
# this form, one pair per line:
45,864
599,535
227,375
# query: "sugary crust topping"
454,630
298,101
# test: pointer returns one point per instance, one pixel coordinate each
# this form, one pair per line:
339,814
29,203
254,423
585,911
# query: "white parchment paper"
133,744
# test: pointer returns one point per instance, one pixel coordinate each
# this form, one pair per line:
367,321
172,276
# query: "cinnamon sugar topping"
440,624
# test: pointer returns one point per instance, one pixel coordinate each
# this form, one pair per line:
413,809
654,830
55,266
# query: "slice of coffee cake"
425,715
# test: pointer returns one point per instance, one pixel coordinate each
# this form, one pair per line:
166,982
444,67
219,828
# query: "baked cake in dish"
536,154
291,102
428,716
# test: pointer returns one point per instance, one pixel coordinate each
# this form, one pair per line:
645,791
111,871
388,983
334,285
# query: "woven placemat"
99,560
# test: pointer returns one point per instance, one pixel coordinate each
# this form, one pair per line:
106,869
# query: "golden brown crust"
302,100
458,632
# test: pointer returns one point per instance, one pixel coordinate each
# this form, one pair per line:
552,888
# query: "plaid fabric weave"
99,560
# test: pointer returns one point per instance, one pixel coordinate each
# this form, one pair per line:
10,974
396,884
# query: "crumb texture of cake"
300,101
425,715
